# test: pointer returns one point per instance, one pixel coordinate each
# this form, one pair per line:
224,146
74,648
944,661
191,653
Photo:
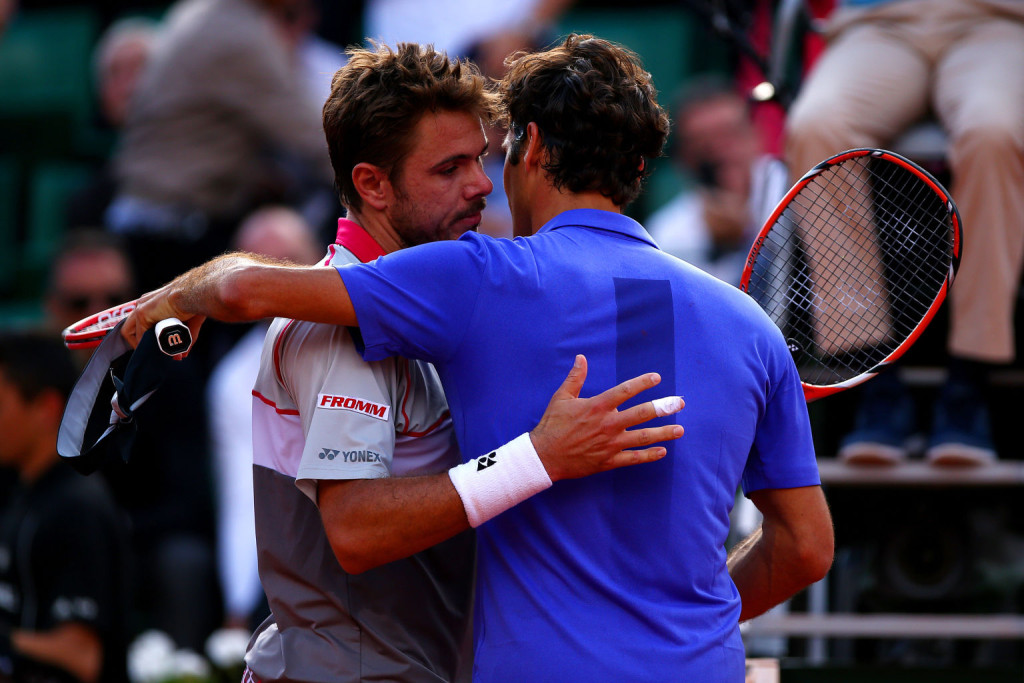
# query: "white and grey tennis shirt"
320,412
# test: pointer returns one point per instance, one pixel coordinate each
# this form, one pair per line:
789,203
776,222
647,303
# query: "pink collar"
353,237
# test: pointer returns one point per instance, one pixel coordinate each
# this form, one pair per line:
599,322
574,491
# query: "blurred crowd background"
139,138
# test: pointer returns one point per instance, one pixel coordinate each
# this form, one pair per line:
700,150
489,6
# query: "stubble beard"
413,228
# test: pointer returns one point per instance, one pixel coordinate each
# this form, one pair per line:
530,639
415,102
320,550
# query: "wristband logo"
378,411
485,461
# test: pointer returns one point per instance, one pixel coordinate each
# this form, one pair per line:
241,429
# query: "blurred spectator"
118,61
282,233
887,64
712,223
221,123
90,273
166,487
62,540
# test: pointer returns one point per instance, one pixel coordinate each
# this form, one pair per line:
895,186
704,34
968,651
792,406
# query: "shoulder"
294,346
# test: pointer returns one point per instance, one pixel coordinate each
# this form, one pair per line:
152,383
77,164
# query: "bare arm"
70,646
243,287
373,521
792,549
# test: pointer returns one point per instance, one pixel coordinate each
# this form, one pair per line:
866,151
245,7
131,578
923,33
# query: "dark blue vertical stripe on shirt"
645,342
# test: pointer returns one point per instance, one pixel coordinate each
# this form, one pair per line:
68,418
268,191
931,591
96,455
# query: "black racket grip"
173,336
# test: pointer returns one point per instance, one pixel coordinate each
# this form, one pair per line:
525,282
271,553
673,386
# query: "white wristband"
493,483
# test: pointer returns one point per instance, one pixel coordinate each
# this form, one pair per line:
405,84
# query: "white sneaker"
959,455
872,453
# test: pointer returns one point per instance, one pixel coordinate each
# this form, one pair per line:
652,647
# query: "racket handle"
173,336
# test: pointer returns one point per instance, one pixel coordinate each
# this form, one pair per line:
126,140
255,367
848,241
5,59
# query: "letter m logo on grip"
378,411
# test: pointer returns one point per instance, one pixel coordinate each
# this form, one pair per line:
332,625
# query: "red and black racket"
172,335
853,264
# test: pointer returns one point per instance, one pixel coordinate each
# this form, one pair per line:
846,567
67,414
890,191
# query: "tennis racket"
172,335
853,264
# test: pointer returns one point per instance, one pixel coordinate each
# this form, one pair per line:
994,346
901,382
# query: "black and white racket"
172,335
853,264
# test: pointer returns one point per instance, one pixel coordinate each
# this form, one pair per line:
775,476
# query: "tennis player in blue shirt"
622,575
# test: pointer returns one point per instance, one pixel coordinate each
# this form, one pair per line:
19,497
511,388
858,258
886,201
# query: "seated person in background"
118,61
62,540
887,64
166,487
221,122
713,224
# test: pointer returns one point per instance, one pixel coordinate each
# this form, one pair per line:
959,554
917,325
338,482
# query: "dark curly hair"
597,111
379,96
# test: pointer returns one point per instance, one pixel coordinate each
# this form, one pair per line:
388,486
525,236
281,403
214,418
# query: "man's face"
717,139
121,77
87,283
441,186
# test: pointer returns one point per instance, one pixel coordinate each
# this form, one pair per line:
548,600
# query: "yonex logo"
361,456
377,411
328,453
485,461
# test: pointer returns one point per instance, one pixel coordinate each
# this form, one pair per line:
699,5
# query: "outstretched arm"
373,521
242,287
792,549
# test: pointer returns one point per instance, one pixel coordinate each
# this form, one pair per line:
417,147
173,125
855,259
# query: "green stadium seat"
46,84
49,187
21,314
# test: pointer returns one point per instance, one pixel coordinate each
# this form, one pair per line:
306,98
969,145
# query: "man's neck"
552,202
377,227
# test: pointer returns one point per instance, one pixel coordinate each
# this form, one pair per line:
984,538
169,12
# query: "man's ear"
372,184
534,152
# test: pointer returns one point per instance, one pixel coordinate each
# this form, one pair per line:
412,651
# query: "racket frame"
89,332
813,392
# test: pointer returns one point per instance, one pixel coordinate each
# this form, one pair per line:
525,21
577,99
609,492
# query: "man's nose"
481,185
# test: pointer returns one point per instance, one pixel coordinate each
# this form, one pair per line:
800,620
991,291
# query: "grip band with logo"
173,336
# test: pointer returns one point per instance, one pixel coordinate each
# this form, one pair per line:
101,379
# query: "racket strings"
853,266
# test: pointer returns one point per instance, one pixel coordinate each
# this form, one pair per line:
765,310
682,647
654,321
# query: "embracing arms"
240,288
373,521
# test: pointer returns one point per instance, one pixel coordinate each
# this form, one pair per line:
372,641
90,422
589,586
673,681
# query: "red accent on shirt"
280,411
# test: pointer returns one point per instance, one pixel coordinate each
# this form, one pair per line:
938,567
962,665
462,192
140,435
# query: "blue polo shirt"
621,575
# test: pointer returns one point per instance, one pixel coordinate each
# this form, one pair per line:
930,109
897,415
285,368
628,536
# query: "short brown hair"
379,96
597,111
